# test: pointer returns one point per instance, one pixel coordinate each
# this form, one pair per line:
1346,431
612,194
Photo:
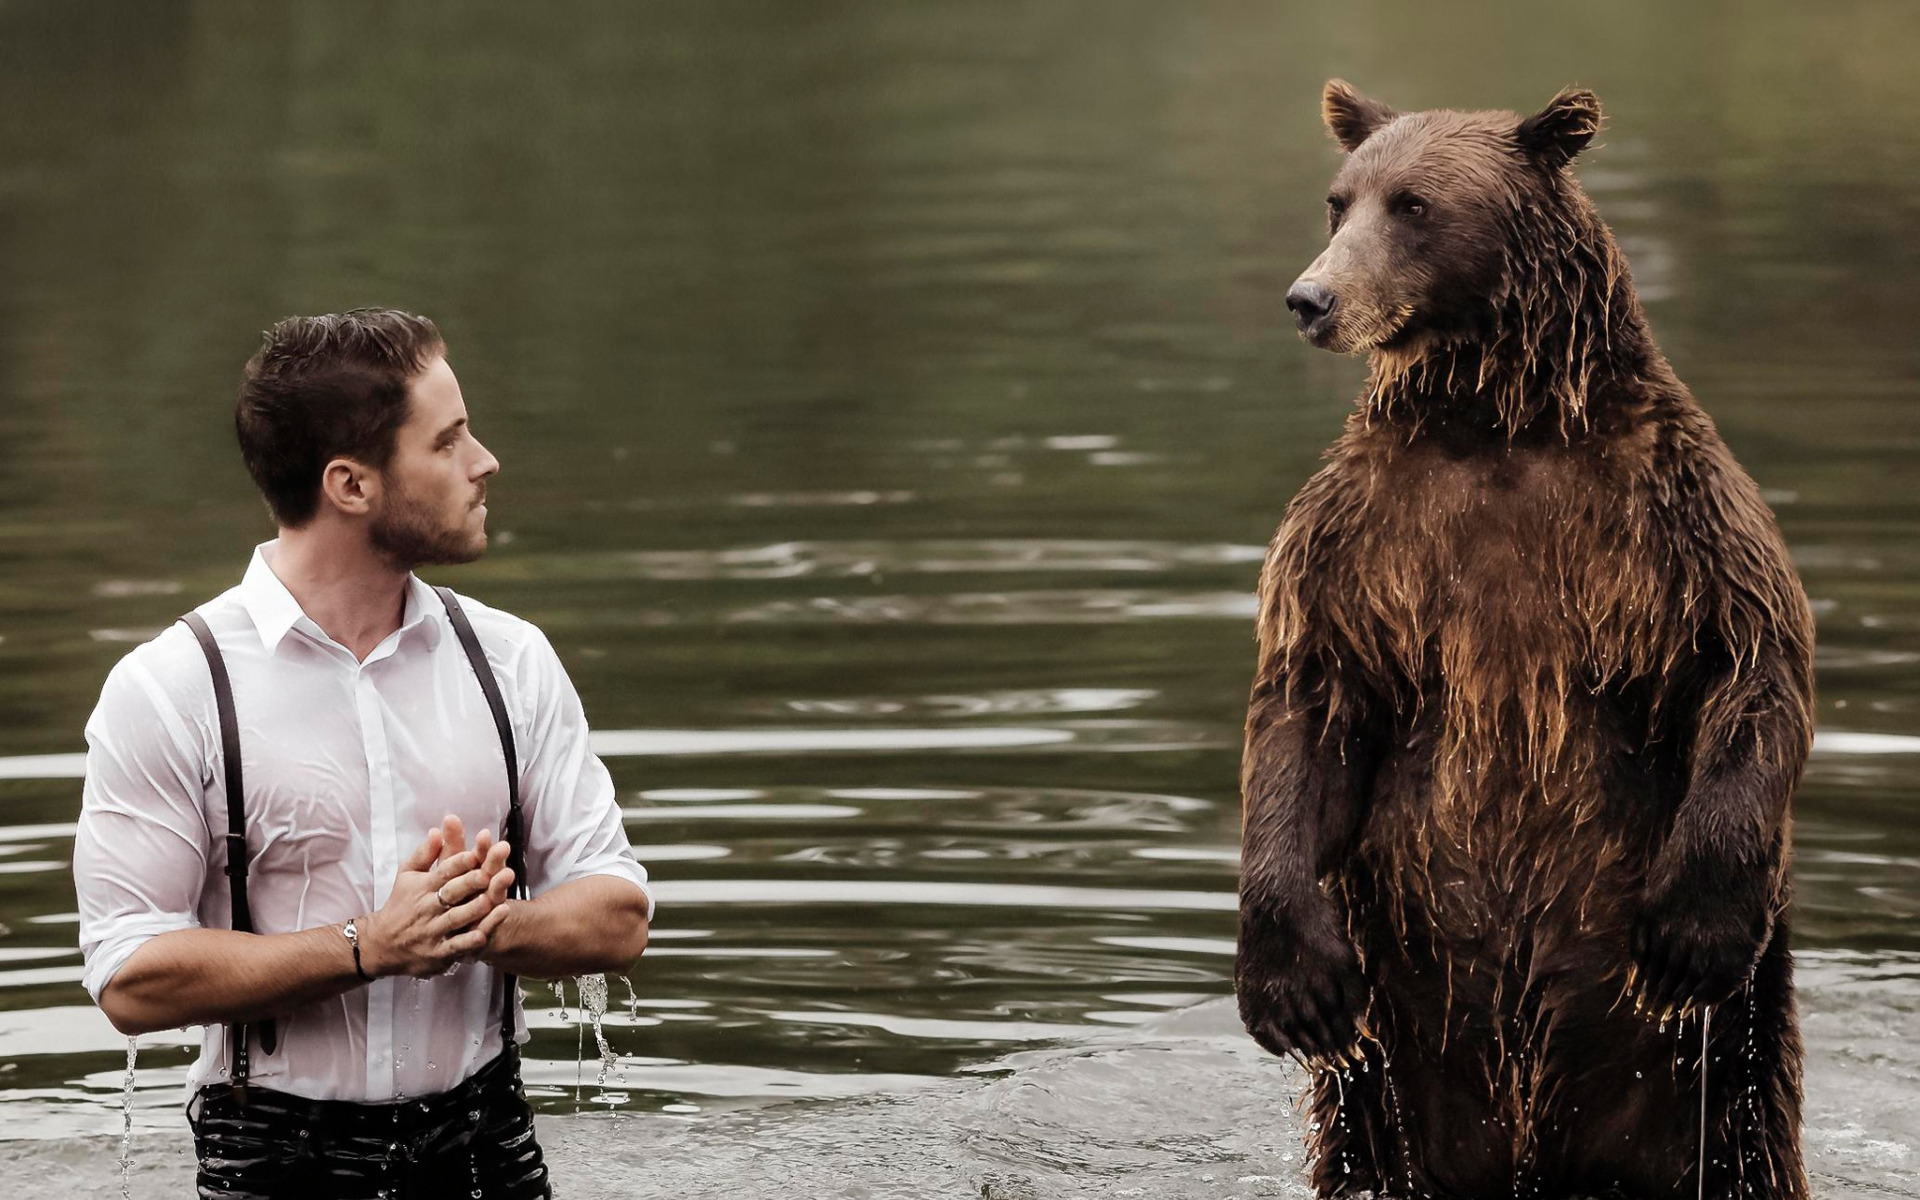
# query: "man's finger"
462,888
492,920
470,942
423,855
460,916
483,842
496,858
453,835
452,867
500,885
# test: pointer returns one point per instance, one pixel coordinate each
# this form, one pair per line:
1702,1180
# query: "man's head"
1428,215
356,418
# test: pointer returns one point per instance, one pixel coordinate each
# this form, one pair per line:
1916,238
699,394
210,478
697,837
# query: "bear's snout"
1312,307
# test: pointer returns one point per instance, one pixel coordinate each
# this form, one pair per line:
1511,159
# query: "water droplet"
126,1126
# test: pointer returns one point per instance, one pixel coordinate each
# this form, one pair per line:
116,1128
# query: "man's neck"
351,591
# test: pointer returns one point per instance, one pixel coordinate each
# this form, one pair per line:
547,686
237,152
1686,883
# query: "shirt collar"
424,611
275,611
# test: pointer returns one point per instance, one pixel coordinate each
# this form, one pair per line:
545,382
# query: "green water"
893,402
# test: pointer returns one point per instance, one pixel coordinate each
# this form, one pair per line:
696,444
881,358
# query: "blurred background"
894,401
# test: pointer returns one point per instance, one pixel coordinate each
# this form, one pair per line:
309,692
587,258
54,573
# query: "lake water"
894,401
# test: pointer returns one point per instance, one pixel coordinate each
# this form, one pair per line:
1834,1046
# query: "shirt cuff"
105,958
628,870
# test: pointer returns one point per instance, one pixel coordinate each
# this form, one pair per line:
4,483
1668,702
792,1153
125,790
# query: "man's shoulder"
504,635
170,666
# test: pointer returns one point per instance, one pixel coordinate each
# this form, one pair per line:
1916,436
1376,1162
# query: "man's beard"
406,535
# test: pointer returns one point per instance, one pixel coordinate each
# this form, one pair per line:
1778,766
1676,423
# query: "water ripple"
1082,606
703,892
823,559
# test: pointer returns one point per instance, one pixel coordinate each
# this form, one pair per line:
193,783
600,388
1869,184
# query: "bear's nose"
1310,303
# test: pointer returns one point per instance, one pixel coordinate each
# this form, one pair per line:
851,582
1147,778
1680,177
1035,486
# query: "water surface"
894,401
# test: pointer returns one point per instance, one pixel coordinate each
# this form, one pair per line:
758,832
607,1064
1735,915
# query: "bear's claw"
1688,956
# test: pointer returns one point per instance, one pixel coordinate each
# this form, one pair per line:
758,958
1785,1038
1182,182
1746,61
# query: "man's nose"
488,464
1311,303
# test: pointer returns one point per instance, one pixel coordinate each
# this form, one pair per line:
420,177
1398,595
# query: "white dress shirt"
348,765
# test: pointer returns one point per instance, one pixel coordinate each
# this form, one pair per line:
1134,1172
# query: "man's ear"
349,486
1552,136
1351,118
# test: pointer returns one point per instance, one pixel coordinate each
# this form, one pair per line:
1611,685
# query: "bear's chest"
1503,573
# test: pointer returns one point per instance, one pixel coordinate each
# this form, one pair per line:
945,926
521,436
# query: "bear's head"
1430,217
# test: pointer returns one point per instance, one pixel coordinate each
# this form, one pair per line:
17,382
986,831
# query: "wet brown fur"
1534,672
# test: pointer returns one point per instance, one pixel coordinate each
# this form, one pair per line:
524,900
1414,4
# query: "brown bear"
1534,692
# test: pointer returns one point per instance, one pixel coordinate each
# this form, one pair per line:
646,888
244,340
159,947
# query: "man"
349,1048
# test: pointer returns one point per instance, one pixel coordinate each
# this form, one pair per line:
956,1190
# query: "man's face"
433,503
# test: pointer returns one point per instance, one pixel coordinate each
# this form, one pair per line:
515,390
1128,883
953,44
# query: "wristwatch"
353,939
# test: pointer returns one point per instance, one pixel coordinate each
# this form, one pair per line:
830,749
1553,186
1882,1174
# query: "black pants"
473,1141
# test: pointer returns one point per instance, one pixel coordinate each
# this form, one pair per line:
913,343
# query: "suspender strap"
516,848
236,833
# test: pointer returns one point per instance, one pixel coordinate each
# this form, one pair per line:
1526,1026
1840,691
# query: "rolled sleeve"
141,849
574,825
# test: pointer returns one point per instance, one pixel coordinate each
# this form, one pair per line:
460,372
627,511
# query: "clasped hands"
446,904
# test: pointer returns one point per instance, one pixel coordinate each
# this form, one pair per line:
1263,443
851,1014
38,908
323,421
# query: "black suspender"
236,834
237,815
516,849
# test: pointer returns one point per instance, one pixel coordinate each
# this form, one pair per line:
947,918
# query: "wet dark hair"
327,387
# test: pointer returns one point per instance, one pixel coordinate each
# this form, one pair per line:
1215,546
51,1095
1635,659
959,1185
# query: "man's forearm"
207,976
590,925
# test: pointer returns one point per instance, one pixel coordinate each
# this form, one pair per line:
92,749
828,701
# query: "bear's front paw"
1301,989
1691,950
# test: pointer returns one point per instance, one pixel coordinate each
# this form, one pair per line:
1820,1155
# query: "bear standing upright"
1534,692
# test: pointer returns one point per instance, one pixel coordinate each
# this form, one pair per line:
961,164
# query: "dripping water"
1706,1023
633,1013
1340,1104
593,1001
126,1123
406,1040
579,1044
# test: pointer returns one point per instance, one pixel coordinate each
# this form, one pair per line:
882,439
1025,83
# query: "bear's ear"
1562,129
1351,117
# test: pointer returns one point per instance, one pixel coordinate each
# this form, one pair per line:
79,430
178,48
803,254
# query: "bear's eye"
1336,208
1409,205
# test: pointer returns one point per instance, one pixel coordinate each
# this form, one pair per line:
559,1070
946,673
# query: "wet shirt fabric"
348,765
